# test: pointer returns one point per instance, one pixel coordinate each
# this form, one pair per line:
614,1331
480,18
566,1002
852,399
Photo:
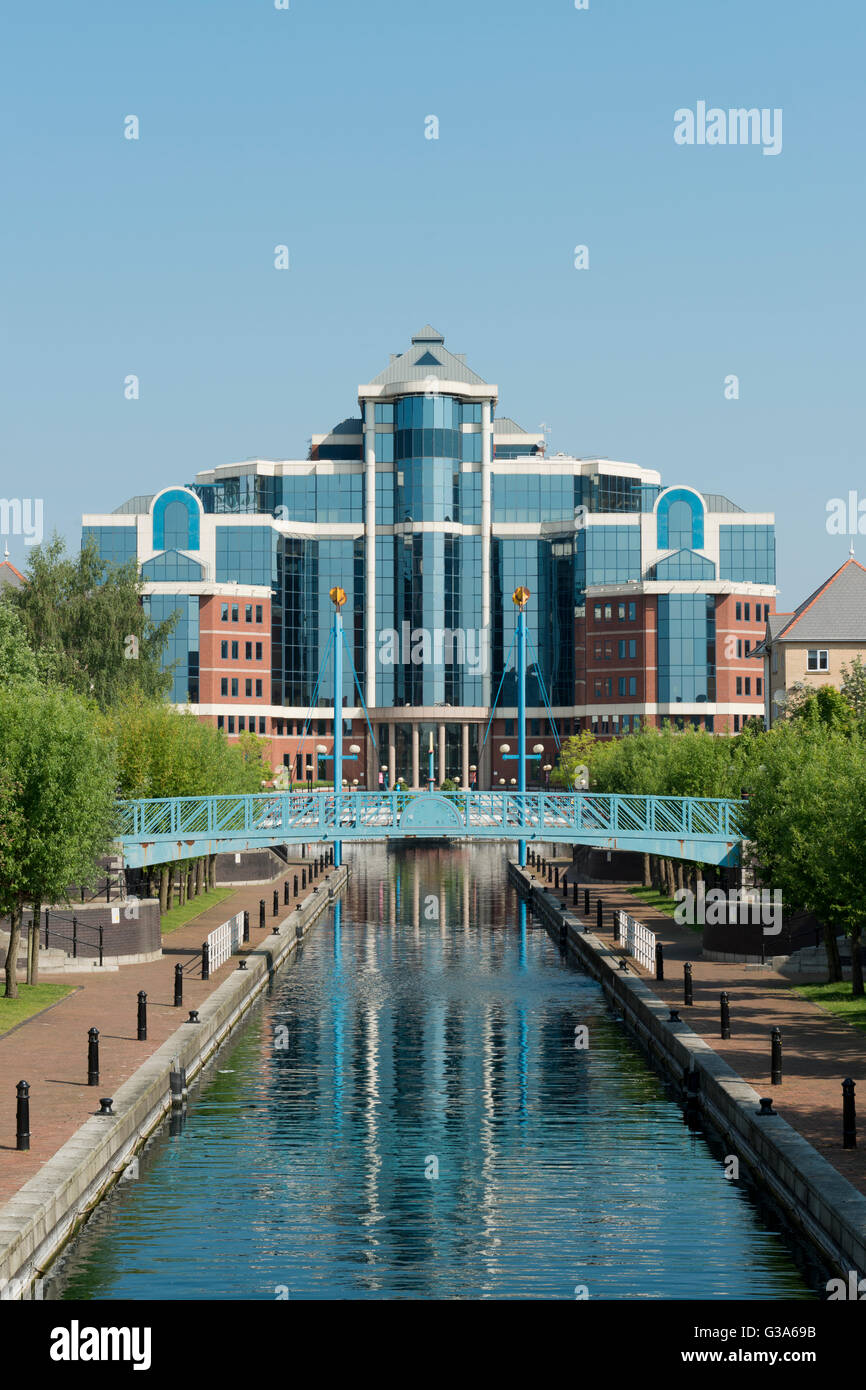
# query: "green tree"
57,802
807,819
87,621
854,687
825,706
17,661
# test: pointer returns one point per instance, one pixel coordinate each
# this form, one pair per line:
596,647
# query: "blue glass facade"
302,614
182,652
246,554
686,649
117,545
747,552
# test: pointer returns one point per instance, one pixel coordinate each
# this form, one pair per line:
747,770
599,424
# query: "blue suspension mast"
338,598
521,598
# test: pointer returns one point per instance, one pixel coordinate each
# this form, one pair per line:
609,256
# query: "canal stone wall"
47,1211
817,1200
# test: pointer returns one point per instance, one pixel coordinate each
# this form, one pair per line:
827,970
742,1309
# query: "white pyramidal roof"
427,356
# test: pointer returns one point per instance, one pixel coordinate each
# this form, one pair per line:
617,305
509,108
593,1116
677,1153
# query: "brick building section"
248,623
736,637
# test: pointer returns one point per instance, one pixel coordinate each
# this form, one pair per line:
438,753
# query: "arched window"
176,521
680,520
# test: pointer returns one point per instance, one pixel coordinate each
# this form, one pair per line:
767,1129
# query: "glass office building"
429,509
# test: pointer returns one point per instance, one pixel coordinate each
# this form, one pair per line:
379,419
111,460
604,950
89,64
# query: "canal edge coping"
822,1204
47,1211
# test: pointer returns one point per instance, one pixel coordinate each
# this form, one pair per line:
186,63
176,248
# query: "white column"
441,768
486,514
464,759
392,756
370,550
416,756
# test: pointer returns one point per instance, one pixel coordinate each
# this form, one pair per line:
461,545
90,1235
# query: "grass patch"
32,999
836,999
661,903
179,916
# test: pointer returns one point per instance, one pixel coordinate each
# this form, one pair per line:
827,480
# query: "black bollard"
276,902
849,1115
295,887
660,961
303,878
286,893
93,1057
598,914
178,986
586,900
22,1117
142,1016
726,1014
246,936
261,912
556,877
776,1057
205,961
574,894
687,983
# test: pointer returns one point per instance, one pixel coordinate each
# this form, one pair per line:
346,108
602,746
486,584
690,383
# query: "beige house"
812,645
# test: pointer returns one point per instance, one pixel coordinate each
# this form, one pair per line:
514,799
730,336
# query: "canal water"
407,1115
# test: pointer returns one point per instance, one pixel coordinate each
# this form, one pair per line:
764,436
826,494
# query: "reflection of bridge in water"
699,828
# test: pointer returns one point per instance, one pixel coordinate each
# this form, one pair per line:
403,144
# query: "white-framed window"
816,659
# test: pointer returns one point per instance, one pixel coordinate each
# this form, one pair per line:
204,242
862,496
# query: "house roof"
10,577
835,612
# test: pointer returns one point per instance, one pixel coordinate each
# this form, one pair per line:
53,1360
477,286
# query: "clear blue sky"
306,127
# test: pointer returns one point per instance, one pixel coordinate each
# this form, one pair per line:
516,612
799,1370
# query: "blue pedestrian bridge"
698,828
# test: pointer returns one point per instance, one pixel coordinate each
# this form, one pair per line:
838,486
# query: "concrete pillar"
441,768
392,755
416,757
464,757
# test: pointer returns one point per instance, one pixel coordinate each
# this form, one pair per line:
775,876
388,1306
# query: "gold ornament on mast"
520,596
337,596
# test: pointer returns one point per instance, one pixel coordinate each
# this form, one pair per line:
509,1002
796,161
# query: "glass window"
224,685
258,690
242,723
736,723
748,685
747,609
621,648
759,686
224,612
221,721
383,413
597,612
258,612
261,723
607,612
620,612
748,645
739,612
632,612
817,660
224,650
234,686
234,612
739,685
231,723
248,651
234,651
632,685
632,646
248,687
621,685
258,651
248,613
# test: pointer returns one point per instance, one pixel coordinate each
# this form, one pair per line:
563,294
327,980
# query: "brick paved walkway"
818,1049
50,1050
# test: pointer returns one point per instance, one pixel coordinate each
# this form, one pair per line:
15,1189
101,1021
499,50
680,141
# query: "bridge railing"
223,816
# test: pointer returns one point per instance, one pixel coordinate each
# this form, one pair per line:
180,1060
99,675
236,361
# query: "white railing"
637,939
224,941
